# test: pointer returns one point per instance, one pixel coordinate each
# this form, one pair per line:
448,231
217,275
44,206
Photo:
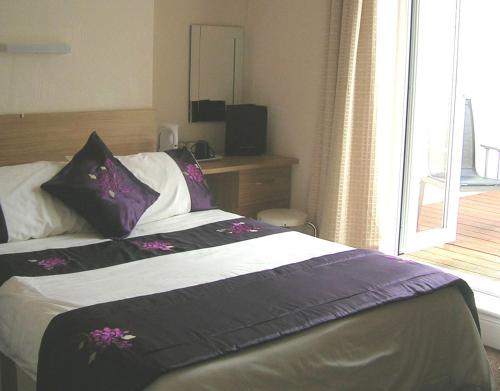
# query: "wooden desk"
248,184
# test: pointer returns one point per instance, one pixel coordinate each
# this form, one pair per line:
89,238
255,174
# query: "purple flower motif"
109,179
239,228
242,227
101,339
51,263
111,336
156,245
194,173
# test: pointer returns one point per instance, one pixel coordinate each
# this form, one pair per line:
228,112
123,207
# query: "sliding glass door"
434,128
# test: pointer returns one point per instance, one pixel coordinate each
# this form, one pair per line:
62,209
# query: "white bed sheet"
28,304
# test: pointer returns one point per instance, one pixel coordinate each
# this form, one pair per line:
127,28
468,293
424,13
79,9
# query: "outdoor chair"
470,180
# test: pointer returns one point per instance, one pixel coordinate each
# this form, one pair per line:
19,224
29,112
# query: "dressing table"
247,184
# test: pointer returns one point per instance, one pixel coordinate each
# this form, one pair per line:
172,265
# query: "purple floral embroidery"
194,173
109,179
108,336
239,228
156,245
101,339
50,263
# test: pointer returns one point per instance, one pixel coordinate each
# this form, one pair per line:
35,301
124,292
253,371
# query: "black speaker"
246,130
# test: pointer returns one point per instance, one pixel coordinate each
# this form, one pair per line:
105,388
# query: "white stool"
286,218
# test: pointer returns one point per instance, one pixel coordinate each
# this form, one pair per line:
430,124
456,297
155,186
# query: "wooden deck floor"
477,248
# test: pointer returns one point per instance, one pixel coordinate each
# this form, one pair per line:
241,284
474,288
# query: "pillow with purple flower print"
102,190
201,197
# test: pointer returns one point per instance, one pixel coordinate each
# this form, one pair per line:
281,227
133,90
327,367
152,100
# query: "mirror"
216,75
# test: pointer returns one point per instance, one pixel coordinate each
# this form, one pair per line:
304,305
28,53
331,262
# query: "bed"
220,271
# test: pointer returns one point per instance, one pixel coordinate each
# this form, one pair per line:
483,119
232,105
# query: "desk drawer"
270,186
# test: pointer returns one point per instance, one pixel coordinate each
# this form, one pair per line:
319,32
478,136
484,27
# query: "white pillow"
29,211
160,172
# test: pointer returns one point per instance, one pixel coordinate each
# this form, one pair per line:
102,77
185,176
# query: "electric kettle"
168,137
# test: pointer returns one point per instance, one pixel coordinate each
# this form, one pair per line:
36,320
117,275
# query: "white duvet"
27,304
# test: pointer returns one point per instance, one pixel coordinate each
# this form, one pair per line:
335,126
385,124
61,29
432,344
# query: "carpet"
494,358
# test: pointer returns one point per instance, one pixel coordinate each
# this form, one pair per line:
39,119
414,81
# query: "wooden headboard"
52,136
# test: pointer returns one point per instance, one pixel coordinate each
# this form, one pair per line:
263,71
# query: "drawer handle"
265,182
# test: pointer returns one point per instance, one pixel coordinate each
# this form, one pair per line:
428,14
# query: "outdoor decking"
477,248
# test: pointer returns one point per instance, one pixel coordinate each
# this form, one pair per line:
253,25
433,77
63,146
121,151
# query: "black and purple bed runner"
127,344
115,252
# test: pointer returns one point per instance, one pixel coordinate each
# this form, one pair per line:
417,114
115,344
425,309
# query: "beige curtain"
343,195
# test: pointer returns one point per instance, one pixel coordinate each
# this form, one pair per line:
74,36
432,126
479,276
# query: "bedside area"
248,184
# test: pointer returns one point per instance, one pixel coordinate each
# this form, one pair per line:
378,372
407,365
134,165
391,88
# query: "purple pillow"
102,190
201,198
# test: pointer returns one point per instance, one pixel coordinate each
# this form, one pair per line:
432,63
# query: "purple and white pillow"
102,190
161,173
201,197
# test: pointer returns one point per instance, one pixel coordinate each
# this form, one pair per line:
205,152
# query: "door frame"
409,239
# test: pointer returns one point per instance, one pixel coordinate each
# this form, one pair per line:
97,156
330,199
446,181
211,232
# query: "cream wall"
283,70
114,39
110,65
171,60
284,62
135,53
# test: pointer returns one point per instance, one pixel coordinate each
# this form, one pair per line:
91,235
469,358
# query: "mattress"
374,347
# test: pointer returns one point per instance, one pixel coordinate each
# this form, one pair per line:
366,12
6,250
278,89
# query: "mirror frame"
195,70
